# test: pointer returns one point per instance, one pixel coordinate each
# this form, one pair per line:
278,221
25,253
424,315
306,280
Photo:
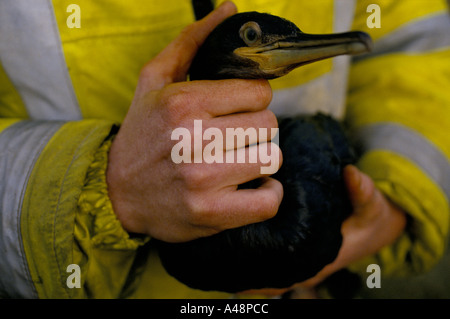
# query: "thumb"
360,187
172,64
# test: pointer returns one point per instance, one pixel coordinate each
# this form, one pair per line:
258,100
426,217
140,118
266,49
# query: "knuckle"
187,30
176,104
187,36
194,177
171,98
146,70
274,204
270,202
263,92
270,118
200,211
270,208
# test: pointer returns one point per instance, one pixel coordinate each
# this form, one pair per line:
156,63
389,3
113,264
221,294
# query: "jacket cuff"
94,202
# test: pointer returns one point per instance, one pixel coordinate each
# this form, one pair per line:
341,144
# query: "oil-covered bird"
304,236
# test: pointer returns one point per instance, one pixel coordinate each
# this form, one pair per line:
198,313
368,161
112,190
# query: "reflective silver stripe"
32,56
431,33
412,145
343,15
327,93
20,146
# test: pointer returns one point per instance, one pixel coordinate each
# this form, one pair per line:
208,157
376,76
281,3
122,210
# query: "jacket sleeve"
399,113
103,249
44,167
56,214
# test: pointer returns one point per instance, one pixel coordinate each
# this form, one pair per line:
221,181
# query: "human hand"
178,202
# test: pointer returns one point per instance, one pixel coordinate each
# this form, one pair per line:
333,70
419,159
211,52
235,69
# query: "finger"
172,64
248,206
214,169
243,129
202,99
244,164
236,96
360,187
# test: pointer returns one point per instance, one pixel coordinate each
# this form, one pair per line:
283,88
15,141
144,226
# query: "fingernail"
224,5
355,176
358,178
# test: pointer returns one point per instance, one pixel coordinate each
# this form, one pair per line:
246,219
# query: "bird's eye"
251,33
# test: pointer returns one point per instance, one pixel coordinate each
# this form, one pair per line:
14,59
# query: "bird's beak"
284,55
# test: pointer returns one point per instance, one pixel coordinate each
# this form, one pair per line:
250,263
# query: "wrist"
117,180
95,207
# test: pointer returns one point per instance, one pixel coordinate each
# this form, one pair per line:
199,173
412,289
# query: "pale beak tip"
362,45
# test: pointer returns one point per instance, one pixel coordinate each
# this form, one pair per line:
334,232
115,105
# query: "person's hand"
178,202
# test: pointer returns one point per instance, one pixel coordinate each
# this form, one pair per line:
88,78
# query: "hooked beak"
280,57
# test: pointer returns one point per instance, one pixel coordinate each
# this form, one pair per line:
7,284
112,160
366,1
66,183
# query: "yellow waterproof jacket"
66,87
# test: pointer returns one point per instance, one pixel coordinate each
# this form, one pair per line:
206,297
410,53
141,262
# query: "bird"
305,234
253,45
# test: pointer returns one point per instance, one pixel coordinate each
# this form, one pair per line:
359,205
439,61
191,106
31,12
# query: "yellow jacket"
64,91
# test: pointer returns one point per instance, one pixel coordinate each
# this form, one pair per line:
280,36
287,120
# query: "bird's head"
257,45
